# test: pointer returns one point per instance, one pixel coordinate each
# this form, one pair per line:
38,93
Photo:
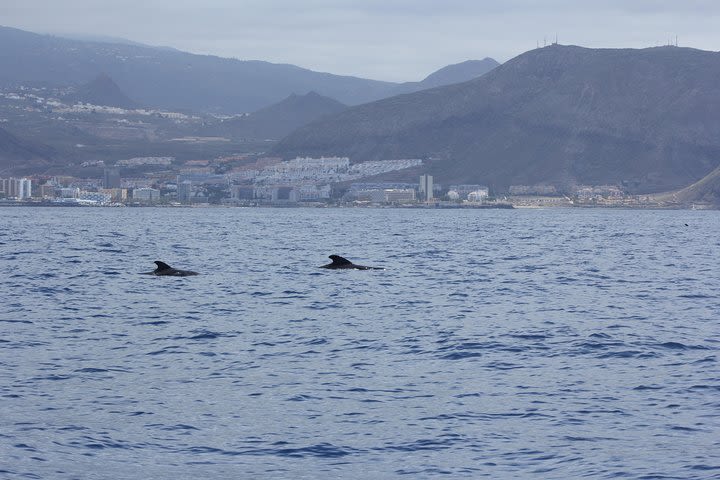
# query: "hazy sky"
399,40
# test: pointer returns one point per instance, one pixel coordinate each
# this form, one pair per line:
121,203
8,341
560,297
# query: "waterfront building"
146,195
184,191
533,190
242,192
397,195
358,187
426,188
5,187
25,189
98,198
364,195
464,190
18,188
284,195
453,195
478,196
47,190
111,178
117,195
585,192
387,195
376,196
69,192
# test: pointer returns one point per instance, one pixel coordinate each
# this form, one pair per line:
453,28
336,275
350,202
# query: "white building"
95,197
453,195
19,188
24,189
478,196
388,195
401,195
464,190
313,192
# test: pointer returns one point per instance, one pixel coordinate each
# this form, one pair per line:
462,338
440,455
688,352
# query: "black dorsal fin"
338,260
162,265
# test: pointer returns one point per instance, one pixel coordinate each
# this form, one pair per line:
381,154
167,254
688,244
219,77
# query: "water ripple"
496,344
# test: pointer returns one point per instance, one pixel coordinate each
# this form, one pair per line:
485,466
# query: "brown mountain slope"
648,119
704,191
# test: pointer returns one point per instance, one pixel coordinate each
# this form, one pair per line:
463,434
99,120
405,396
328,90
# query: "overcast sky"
398,40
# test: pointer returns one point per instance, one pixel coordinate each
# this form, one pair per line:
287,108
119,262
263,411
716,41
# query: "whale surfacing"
340,263
163,269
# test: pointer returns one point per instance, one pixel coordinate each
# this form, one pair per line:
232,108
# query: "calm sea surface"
496,343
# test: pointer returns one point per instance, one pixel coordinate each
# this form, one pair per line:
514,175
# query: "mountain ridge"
171,79
102,90
564,115
704,191
459,72
279,119
162,77
449,75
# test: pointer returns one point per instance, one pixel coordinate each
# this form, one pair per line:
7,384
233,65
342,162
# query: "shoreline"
499,206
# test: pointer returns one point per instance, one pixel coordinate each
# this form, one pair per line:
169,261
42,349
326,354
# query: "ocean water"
495,344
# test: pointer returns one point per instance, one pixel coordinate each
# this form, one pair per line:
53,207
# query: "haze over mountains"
450,74
121,73
102,90
563,115
278,120
645,120
14,150
171,79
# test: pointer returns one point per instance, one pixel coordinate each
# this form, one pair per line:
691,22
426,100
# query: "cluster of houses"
112,191
273,182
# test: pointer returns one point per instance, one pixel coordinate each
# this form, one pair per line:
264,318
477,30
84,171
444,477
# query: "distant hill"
170,79
457,73
17,154
107,39
101,91
704,191
166,78
278,120
646,119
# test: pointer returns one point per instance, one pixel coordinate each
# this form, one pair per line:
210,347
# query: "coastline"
438,206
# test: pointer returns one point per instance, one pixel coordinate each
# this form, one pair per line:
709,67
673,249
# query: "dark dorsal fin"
338,260
162,265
